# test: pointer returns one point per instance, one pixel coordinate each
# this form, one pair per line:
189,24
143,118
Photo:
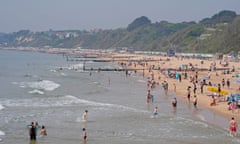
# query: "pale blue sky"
42,15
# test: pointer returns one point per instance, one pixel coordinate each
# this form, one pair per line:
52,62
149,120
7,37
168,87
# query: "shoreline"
220,110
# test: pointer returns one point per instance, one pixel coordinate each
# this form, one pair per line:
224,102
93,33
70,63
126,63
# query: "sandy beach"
215,77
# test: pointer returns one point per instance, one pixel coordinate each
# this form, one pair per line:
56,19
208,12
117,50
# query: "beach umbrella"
215,90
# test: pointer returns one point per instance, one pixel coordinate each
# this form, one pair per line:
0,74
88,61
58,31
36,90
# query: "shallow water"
33,88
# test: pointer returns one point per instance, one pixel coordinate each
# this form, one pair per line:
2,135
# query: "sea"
48,89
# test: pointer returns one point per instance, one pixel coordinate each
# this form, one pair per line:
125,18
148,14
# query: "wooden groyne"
142,69
111,69
107,60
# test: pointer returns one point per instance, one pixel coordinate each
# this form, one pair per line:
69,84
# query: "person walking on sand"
194,87
219,89
174,87
228,83
223,83
233,127
201,87
213,101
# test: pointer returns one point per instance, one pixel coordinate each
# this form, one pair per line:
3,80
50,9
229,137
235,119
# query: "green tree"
138,22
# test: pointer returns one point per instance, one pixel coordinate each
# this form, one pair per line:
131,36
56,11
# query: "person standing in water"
155,112
188,93
84,135
149,96
174,103
32,131
84,116
195,101
43,131
233,127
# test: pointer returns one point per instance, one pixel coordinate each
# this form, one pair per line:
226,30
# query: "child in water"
155,112
43,131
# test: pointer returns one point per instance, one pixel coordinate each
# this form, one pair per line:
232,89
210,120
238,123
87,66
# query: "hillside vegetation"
219,33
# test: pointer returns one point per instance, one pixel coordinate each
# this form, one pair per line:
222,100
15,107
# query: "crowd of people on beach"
189,73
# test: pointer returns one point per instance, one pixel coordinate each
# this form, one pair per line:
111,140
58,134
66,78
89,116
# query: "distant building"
170,52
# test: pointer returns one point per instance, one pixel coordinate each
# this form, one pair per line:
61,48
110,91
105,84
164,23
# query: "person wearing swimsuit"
155,112
195,101
174,102
188,93
233,126
84,135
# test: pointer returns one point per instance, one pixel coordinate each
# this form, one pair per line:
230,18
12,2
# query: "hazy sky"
42,15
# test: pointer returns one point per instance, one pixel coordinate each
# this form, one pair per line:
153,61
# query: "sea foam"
67,100
35,91
46,85
99,104
1,107
2,133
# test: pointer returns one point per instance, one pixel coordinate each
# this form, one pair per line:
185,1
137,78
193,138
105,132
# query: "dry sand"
204,99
